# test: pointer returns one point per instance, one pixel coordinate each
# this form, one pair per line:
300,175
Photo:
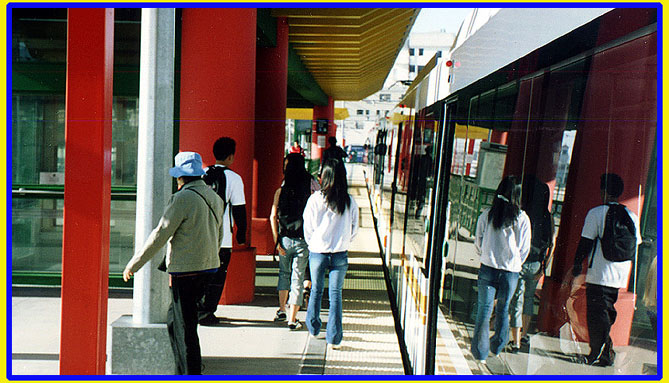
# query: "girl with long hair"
503,235
330,223
287,230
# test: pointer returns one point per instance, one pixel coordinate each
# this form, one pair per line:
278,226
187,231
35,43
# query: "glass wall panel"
37,233
567,127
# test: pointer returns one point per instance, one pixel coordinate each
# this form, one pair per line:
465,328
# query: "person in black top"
286,223
333,151
535,198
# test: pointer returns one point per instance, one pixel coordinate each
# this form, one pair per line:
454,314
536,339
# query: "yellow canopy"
308,113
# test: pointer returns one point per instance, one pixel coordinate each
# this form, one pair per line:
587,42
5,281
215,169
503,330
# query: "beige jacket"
194,234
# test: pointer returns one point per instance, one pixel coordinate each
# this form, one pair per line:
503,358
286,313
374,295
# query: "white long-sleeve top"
326,231
504,249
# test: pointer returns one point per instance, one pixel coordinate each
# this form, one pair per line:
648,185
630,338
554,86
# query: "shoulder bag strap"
205,201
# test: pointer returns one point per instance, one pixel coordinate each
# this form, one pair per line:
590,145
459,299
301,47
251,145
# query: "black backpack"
290,210
215,177
619,238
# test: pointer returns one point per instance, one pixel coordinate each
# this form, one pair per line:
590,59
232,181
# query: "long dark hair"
334,186
506,205
294,174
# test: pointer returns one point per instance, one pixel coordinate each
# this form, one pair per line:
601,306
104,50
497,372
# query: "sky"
435,19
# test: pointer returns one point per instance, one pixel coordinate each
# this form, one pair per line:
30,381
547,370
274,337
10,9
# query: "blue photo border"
659,186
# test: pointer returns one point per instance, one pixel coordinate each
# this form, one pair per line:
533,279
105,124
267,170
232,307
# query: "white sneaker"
334,346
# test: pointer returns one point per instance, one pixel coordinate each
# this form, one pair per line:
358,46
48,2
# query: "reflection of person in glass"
503,237
536,195
603,278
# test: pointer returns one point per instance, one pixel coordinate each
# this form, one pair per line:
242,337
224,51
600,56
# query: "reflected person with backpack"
286,223
612,230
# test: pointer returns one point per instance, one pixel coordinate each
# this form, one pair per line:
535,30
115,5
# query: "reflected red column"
616,134
88,124
217,98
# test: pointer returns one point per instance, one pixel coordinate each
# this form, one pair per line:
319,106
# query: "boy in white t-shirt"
603,277
230,187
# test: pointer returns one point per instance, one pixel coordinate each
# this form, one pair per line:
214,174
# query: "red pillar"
217,96
322,112
88,117
270,130
617,132
270,126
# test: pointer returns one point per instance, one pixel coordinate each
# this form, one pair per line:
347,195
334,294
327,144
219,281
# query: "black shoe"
512,348
525,340
294,326
209,320
280,316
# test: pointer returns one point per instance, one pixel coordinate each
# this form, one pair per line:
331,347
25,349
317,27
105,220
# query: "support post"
88,118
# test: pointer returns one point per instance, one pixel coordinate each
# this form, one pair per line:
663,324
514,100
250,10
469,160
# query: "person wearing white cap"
193,229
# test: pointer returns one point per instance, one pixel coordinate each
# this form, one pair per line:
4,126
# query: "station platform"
248,341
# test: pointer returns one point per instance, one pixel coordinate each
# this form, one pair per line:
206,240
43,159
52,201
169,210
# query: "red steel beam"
88,117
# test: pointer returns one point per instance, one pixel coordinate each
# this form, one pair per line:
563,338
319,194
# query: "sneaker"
293,326
280,316
512,348
209,320
334,346
525,341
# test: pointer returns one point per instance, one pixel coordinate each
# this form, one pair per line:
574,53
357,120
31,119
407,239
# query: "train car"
558,96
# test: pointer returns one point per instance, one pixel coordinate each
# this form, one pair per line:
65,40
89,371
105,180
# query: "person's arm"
480,230
238,206
167,226
308,218
239,215
274,221
354,218
525,239
584,249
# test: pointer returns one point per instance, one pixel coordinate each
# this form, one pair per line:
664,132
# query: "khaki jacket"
188,226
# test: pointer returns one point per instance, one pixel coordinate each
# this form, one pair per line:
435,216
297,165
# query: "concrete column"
217,98
140,344
88,125
154,156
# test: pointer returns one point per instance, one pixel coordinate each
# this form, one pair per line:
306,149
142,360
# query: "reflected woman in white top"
503,237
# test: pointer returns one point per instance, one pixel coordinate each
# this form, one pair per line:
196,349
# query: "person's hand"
281,250
127,274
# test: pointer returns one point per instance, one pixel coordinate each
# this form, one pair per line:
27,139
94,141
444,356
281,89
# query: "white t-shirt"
604,272
234,192
504,249
326,231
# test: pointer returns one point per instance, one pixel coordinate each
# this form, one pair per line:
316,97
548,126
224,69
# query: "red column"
270,126
88,118
270,130
217,96
617,132
322,112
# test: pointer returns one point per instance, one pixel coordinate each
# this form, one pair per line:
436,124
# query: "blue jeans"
492,282
292,268
522,302
337,263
